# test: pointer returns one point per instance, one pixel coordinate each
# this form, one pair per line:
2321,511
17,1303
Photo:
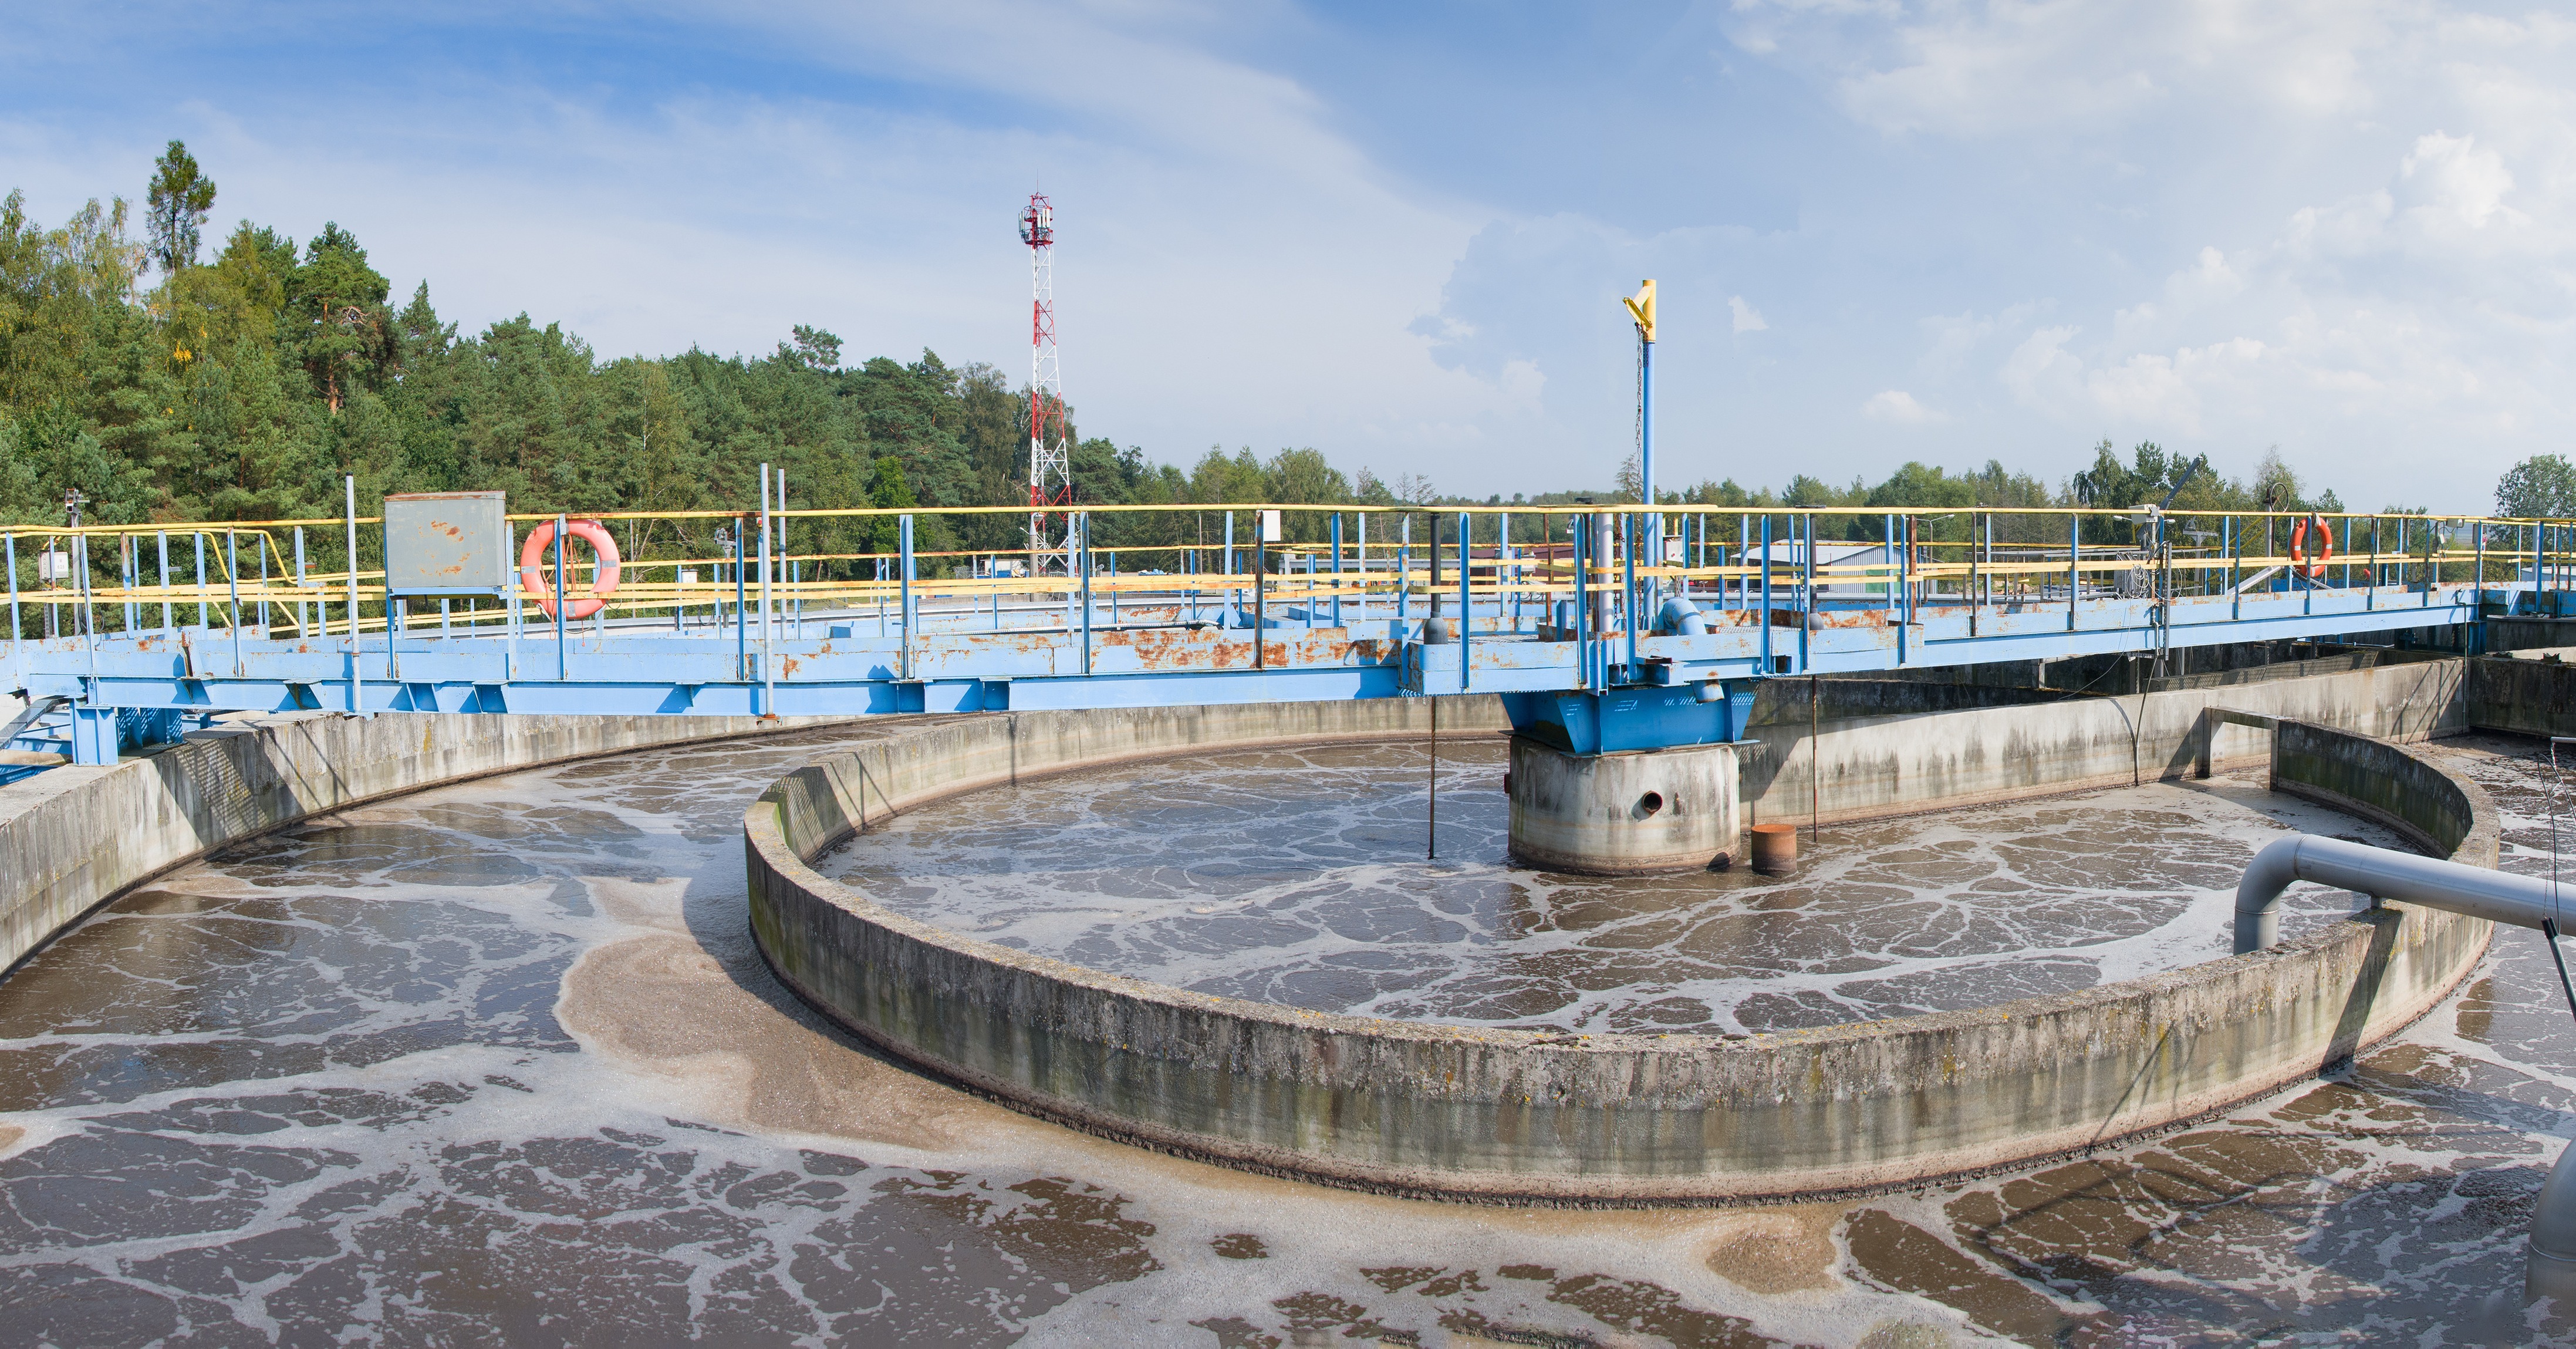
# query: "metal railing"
287,578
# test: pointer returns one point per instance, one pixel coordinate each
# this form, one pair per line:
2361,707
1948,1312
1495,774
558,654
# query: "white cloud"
2348,226
2052,67
1898,408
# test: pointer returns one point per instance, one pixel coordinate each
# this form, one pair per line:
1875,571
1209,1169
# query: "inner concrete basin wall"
2527,697
1874,766
1520,1116
72,837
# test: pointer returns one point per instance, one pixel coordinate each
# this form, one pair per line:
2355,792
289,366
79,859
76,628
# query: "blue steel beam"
635,671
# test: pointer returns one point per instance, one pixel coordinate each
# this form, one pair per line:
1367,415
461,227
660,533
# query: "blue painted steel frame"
678,673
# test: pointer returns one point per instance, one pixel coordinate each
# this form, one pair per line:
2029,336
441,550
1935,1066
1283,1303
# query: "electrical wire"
2549,925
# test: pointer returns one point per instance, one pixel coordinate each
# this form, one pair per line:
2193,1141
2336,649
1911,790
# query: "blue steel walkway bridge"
1604,628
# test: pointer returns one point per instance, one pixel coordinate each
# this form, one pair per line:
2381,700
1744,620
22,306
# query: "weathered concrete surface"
72,837
1521,1116
1624,814
2527,697
2523,634
1890,765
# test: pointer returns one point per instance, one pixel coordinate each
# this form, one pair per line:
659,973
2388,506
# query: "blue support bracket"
95,740
1637,717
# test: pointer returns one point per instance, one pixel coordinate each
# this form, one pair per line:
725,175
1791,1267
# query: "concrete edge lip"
1509,1115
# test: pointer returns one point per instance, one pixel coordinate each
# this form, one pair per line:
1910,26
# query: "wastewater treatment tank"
1303,877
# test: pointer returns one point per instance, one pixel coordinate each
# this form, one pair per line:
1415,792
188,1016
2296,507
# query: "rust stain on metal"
787,666
1830,618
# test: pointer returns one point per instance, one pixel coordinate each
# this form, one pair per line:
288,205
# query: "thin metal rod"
1431,823
1815,764
2549,925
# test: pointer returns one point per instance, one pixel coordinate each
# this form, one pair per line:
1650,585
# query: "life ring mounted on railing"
2314,570
532,557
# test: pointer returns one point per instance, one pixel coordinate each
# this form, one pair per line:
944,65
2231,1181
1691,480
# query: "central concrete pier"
1624,814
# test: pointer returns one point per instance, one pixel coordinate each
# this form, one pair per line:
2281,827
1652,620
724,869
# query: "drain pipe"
2498,897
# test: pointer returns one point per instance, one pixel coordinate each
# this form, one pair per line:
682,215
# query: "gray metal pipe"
2497,896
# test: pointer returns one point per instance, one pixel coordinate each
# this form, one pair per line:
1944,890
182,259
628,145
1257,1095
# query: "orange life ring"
532,573
2314,570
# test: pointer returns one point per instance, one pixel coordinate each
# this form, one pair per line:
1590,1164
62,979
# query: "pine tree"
180,198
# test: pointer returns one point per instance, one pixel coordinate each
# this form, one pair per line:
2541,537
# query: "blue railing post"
1404,571
1466,602
1359,519
1763,617
1904,585
1807,602
232,590
768,604
2074,566
349,516
1630,527
1337,569
1579,533
903,595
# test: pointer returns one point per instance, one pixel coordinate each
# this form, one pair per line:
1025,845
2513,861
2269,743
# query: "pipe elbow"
2258,894
1681,616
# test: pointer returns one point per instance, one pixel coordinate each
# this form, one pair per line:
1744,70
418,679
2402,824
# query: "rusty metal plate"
447,543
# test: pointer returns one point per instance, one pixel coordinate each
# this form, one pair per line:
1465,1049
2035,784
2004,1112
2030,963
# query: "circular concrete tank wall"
1519,1115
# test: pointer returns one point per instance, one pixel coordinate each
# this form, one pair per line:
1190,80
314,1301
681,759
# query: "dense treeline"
167,381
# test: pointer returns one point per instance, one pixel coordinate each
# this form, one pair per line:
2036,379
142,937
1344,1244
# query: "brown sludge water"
498,1063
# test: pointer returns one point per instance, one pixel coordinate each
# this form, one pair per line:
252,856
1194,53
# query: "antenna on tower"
1050,469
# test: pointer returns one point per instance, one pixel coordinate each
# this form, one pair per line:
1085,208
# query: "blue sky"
1882,231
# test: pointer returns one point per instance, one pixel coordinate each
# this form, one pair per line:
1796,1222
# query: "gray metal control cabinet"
447,543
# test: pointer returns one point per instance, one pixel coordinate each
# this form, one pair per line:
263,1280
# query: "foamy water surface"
497,1064
1300,877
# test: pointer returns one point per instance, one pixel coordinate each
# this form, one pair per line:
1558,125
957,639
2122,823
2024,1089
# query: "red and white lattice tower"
1050,470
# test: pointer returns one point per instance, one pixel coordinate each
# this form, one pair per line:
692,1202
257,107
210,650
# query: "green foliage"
176,207
2542,487
245,387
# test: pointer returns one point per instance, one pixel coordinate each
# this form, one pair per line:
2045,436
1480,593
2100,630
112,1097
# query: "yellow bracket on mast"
1641,308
